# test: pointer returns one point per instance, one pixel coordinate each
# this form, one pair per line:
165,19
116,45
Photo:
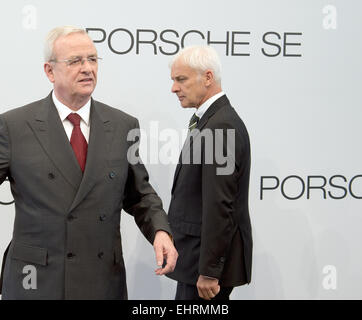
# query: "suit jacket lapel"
99,142
217,105
50,133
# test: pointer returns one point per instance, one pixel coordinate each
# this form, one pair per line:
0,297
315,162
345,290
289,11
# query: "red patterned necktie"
77,140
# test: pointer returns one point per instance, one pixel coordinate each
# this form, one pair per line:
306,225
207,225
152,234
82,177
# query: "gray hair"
200,58
54,34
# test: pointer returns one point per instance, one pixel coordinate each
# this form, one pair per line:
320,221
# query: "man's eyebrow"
89,55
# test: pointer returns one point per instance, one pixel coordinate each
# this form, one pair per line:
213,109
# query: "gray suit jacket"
67,225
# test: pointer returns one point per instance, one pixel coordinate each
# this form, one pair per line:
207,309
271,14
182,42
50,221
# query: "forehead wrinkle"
74,45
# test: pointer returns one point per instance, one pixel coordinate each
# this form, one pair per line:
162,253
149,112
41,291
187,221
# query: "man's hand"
207,287
164,249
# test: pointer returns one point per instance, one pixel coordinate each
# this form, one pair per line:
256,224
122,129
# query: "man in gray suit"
66,159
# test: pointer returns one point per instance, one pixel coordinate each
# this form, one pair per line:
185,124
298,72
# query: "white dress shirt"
200,111
64,112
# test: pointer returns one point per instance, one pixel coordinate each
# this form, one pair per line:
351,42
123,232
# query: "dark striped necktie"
193,122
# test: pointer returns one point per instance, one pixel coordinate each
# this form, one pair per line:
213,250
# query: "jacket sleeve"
4,150
140,199
219,190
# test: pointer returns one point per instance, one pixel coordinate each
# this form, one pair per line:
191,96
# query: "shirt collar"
64,111
206,105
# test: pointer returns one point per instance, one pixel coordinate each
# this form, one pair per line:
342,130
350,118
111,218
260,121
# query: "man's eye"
74,61
92,60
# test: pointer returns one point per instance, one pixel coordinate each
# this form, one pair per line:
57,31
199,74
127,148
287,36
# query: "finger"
206,294
171,259
169,267
159,255
203,292
158,271
212,294
215,290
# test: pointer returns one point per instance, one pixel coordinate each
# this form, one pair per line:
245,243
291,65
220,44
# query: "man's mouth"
86,80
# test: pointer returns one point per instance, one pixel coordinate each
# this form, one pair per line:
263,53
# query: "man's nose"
175,87
86,66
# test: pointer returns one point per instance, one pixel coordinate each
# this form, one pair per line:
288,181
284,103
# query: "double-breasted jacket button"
70,255
112,174
51,175
100,255
102,217
71,217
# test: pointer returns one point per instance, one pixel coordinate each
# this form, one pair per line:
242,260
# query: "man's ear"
48,69
209,77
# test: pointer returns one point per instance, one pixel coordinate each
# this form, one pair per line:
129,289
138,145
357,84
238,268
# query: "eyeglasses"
78,61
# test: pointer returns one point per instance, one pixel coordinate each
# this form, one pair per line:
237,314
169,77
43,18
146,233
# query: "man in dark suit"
66,159
208,213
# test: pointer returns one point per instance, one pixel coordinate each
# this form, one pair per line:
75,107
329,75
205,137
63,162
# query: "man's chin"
185,105
87,91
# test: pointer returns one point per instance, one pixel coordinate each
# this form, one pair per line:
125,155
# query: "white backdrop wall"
292,69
